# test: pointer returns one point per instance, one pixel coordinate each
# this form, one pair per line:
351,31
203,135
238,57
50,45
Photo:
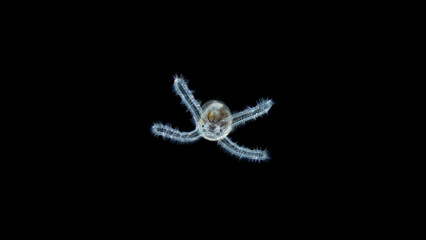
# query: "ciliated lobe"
172,134
181,88
251,113
242,152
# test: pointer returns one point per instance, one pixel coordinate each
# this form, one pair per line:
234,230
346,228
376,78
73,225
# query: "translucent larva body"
216,122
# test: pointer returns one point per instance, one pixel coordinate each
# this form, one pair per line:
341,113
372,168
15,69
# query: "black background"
125,84
112,73
119,76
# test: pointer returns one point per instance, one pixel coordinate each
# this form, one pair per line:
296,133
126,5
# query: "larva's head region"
215,124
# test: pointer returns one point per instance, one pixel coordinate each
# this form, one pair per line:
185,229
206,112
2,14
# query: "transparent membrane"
216,122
